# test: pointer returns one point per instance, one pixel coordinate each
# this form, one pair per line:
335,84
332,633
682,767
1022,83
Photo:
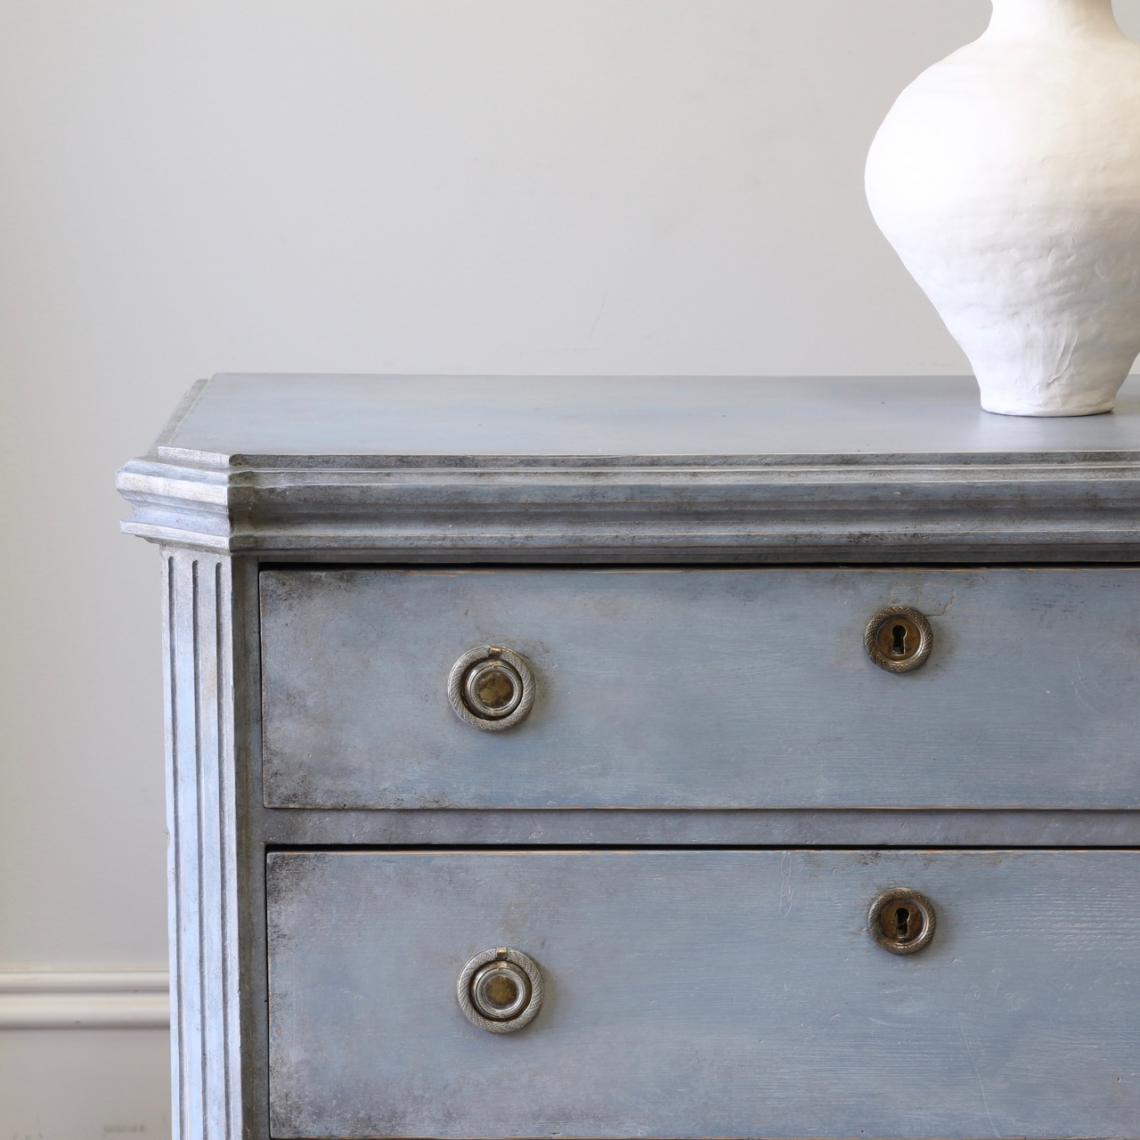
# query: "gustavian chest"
649,757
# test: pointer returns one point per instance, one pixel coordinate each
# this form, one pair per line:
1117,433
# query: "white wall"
364,185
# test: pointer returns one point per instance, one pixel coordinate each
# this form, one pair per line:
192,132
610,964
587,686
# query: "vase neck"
1042,19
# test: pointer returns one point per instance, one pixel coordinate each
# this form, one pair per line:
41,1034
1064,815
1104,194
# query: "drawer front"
704,689
707,994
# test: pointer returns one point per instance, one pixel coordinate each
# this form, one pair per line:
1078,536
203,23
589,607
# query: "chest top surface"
480,418
419,468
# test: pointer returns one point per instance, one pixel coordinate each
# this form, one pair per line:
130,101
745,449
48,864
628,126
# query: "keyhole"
898,641
902,923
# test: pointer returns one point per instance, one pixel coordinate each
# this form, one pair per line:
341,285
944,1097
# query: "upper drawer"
704,689
704,994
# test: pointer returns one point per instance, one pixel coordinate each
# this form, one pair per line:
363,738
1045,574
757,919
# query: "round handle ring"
469,974
482,658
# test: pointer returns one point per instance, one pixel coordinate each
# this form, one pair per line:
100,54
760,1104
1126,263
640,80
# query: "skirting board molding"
104,1000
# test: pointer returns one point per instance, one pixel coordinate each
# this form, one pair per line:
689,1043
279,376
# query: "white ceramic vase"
1007,177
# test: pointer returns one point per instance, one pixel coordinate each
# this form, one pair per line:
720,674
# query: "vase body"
1007,177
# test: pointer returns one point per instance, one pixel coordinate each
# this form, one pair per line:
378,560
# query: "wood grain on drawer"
726,993
704,689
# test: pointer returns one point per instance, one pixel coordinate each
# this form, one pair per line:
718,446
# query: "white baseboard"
105,1000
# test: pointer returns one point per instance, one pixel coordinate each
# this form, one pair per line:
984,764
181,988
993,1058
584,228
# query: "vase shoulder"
993,121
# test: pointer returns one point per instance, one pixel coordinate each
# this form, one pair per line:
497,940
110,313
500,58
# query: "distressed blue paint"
707,994
704,689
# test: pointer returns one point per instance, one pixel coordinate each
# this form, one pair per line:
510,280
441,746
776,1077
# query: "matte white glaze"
1007,177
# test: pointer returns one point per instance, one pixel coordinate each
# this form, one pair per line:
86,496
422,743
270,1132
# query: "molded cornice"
638,510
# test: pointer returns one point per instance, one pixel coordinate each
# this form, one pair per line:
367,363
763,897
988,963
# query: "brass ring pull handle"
491,688
902,921
500,990
899,639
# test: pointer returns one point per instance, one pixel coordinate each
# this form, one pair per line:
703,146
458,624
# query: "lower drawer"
707,993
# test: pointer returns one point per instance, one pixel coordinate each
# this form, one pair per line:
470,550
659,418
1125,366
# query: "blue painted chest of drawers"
649,758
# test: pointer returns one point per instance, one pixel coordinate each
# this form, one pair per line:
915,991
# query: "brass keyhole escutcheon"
902,921
491,687
899,639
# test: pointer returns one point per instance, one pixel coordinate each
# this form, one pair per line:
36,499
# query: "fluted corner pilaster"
198,644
